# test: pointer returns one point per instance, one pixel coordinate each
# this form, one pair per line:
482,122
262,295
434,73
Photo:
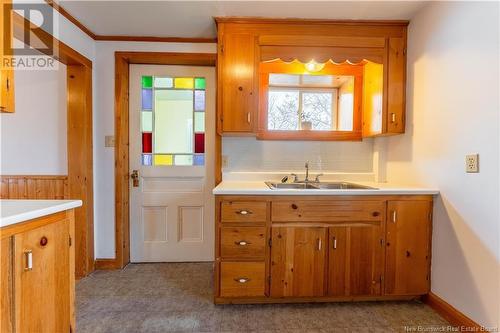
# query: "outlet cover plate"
472,163
109,141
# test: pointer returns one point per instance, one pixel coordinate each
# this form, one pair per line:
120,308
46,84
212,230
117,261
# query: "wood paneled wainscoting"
33,187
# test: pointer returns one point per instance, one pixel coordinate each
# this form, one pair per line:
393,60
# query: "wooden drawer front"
327,211
242,279
243,242
243,211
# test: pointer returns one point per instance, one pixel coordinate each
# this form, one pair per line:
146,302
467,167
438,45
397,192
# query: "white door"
172,131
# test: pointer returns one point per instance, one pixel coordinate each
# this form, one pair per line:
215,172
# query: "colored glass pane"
183,160
147,81
146,143
147,121
163,159
147,99
184,83
199,100
173,125
199,160
147,159
199,143
164,82
199,122
199,83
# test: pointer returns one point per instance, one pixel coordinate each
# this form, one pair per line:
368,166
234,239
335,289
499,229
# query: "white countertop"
260,188
16,211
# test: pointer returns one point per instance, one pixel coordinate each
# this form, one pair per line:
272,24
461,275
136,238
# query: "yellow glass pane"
184,83
163,160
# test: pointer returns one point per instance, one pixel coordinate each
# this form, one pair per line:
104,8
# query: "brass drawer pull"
242,280
28,264
242,243
244,212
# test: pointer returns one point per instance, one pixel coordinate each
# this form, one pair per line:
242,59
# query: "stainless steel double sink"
318,186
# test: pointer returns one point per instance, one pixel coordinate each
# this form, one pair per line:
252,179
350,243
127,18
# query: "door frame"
122,181
79,138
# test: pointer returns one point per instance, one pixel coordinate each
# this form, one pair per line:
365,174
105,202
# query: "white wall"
453,110
104,83
33,139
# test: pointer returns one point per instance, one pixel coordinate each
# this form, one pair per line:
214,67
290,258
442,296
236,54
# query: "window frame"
296,67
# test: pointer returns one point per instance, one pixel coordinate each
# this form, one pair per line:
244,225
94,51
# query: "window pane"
173,126
183,159
199,83
199,160
147,99
199,100
317,109
146,143
147,159
164,82
283,110
199,143
163,159
284,80
199,122
147,81
147,121
317,80
183,83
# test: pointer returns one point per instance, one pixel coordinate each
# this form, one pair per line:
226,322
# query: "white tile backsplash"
250,154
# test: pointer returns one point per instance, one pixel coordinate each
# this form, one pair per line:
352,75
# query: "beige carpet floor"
177,297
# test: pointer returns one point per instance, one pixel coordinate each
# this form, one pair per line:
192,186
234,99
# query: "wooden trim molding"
122,181
448,312
267,20
33,187
70,18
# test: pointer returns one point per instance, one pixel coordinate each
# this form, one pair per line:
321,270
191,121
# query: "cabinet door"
237,88
396,96
408,247
356,258
42,279
6,286
298,258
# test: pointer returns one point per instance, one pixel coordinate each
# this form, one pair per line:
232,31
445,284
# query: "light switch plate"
472,163
109,141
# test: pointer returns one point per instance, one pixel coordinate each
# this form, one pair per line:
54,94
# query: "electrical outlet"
225,161
472,163
109,141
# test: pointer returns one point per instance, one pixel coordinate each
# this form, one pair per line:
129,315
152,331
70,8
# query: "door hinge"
221,48
270,242
70,241
430,216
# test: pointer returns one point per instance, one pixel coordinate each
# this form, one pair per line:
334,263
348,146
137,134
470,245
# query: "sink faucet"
307,172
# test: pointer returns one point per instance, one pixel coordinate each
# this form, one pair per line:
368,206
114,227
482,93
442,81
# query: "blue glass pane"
199,160
147,99
147,159
199,100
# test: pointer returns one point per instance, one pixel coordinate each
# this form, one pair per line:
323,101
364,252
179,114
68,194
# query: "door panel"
172,131
337,264
408,248
298,258
47,285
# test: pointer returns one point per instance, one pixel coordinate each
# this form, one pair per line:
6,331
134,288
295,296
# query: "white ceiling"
195,18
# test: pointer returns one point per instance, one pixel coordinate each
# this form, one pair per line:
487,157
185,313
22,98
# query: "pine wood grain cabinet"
244,43
37,275
335,248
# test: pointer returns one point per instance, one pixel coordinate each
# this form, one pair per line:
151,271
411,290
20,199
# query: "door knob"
135,178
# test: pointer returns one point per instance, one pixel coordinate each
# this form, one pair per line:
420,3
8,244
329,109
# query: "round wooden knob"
43,241
375,214
240,88
407,253
294,206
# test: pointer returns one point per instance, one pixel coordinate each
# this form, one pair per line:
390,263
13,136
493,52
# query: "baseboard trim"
452,315
107,264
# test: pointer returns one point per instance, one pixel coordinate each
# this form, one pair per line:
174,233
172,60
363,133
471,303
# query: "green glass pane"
173,123
199,83
199,122
147,81
164,82
147,121
183,160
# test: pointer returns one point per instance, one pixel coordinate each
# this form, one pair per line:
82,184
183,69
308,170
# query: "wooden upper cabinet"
298,261
6,72
356,256
408,243
236,86
245,44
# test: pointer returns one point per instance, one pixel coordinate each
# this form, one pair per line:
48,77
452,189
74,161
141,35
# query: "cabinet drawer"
327,211
242,279
243,211
243,242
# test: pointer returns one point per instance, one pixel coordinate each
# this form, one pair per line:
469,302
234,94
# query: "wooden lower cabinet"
38,276
323,248
298,261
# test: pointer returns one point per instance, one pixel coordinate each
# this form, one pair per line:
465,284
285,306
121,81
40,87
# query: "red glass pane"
199,143
147,146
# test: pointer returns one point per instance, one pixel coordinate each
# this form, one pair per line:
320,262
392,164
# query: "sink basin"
318,186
